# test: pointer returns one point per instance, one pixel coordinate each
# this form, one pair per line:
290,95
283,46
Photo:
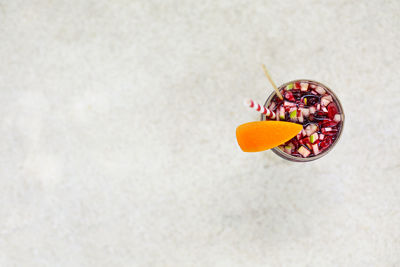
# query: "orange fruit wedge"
262,135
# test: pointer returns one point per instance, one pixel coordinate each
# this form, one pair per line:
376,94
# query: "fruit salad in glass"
317,108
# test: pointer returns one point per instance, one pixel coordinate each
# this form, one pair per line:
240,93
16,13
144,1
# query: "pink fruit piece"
325,100
304,86
315,149
289,96
296,85
320,90
305,112
311,128
304,151
289,104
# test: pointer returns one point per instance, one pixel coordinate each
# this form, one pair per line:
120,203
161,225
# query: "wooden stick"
272,82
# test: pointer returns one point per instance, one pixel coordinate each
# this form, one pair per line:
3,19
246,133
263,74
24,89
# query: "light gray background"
118,134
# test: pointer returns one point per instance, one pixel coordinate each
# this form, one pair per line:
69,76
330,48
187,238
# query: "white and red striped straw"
263,110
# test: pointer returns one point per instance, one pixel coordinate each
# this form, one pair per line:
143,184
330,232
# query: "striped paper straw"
263,110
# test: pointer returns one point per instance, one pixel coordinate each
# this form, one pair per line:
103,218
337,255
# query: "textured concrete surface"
117,134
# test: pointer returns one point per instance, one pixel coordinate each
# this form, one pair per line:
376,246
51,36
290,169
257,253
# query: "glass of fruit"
317,108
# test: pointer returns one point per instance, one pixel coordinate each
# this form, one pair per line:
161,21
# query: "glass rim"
285,155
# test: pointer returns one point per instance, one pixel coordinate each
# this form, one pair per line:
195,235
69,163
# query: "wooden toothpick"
272,82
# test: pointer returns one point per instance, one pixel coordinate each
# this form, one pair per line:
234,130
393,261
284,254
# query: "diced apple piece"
293,114
315,149
312,128
304,86
296,86
305,111
304,151
320,90
312,86
313,138
288,149
337,117
301,118
282,113
289,86
324,109
325,100
314,93
303,132
318,107
298,136
321,136
289,104
312,110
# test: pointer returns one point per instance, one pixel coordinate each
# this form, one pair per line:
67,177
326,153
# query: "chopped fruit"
262,135
310,129
288,149
313,138
326,130
315,149
325,100
289,104
304,86
312,106
300,118
332,110
282,113
305,112
293,114
289,96
304,151
320,90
